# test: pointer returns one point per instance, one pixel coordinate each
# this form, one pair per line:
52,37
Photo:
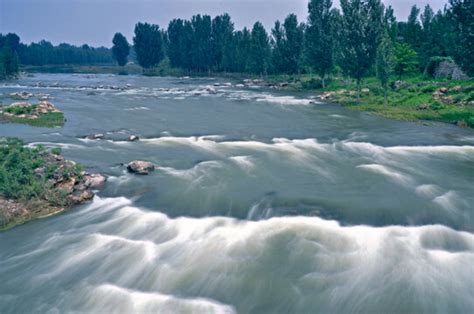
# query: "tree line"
356,40
13,53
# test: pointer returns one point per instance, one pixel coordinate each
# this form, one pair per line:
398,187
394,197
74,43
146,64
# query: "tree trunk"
358,89
385,98
323,81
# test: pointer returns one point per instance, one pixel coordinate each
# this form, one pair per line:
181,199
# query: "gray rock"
140,167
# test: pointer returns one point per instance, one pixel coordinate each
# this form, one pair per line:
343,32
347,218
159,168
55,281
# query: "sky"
96,21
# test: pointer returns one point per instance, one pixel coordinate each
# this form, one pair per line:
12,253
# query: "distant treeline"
13,53
361,38
347,40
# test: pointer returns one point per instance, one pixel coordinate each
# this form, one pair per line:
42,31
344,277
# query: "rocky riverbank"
35,183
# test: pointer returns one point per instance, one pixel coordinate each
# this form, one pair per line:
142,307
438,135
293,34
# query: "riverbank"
36,183
414,98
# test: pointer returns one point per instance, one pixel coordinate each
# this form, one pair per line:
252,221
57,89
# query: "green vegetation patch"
34,179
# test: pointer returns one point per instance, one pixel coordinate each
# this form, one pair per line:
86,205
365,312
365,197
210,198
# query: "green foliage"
259,56
359,30
47,120
287,46
434,63
405,59
17,164
120,49
20,110
320,37
462,16
384,62
18,179
56,151
148,44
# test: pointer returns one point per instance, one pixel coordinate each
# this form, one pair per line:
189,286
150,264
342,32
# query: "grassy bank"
412,99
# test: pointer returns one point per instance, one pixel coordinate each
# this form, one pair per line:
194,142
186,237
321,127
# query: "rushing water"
262,202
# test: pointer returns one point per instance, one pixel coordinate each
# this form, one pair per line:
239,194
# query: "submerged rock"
98,136
140,167
133,138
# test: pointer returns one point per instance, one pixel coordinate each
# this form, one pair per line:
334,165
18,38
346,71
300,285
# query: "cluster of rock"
341,92
262,83
21,95
25,110
77,187
442,95
26,96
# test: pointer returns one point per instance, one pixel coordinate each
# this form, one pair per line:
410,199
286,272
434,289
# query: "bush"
434,63
20,110
312,84
56,151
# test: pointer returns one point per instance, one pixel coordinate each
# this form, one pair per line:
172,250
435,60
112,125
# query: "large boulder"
450,70
94,180
140,167
80,197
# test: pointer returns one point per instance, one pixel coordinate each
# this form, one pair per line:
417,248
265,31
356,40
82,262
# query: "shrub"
56,151
434,63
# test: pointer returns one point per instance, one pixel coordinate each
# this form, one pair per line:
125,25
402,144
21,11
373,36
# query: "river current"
263,201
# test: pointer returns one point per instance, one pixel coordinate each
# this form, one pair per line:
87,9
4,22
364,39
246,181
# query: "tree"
462,15
405,59
148,44
293,43
259,50
319,37
411,31
201,51
384,62
287,42
221,35
390,23
120,49
278,47
360,28
176,42
9,47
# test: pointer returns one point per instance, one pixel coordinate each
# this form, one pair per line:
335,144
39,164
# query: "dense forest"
360,39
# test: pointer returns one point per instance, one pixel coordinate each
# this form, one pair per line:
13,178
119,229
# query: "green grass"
402,102
18,180
47,120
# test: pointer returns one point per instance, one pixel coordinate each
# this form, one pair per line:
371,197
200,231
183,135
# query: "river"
263,201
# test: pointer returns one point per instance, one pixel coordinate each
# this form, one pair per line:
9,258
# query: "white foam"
284,100
142,261
388,172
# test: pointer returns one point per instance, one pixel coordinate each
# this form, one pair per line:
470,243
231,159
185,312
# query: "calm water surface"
262,202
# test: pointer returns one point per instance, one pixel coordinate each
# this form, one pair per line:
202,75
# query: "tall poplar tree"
360,28
320,38
259,50
148,44
384,62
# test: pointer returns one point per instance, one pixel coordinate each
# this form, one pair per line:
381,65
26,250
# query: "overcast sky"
95,21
